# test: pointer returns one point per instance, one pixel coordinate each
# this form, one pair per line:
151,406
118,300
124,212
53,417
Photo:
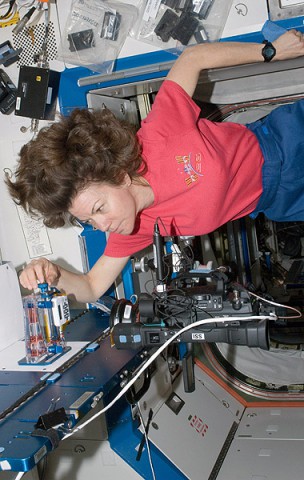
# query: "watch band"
268,51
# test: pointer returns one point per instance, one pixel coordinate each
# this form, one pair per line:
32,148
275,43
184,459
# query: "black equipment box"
7,93
37,93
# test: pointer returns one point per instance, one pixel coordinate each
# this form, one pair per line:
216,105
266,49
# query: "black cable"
143,440
10,8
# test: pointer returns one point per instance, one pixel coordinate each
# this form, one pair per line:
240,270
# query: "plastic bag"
95,33
173,24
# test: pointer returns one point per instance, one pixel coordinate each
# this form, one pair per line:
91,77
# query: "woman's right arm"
83,287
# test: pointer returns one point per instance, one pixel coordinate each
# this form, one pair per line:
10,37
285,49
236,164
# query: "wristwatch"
268,51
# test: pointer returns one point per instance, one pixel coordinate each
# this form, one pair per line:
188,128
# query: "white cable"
25,3
5,7
20,475
101,306
278,305
160,350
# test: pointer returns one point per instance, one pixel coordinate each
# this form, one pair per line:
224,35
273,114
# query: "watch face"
268,52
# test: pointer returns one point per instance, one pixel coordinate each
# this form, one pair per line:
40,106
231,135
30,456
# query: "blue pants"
281,138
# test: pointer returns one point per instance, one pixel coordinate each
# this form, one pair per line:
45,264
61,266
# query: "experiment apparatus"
45,315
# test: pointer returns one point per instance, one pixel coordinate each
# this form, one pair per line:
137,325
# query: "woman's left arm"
193,60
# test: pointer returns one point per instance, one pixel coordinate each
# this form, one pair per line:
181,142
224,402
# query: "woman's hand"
37,271
289,45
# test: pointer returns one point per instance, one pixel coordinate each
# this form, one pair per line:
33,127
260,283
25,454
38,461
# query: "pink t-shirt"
203,174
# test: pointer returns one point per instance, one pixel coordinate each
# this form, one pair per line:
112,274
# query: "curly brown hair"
81,149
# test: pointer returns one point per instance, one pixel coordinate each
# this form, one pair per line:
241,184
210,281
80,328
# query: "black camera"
222,308
193,306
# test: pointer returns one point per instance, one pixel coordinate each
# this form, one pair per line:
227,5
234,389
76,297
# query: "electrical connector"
20,25
52,419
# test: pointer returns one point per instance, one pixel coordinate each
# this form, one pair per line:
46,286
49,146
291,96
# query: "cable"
25,3
159,351
20,475
10,12
42,55
278,305
147,441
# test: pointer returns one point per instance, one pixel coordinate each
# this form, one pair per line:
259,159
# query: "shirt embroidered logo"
192,172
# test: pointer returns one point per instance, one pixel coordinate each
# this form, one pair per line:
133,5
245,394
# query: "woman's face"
107,208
